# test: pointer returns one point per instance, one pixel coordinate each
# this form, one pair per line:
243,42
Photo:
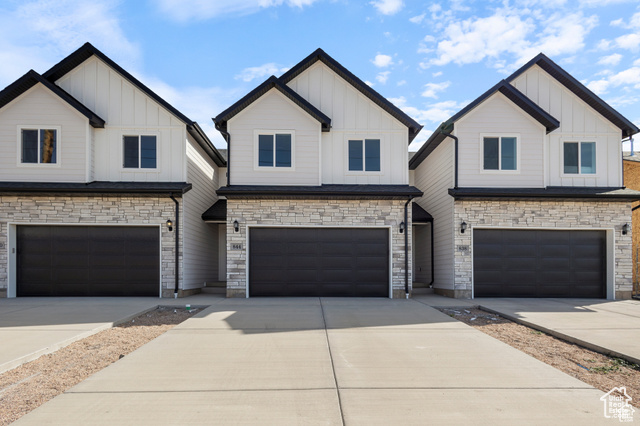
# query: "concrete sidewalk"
34,326
609,327
324,361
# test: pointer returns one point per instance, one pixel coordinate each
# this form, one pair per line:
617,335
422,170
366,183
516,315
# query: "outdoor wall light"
169,225
625,228
236,226
401,227
463,227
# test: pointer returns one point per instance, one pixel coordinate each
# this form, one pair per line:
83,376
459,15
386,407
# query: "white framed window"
274,149
39,145
364,155
500,153
579,158
140,151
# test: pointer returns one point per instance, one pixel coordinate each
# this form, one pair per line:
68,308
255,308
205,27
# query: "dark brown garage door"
527,263
319,262
88,261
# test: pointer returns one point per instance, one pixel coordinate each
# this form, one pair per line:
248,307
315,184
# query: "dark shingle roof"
558,192
87,50
271,83
420,215
96,187
362,87
323,192
32,78
580,90
216,213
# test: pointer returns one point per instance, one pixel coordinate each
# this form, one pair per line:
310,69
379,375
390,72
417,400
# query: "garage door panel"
318,262
88,261
558,263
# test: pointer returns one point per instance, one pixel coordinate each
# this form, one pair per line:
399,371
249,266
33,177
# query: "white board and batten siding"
200,247
38,107
498,116
274,112
353,116
578,123
434,176
126,111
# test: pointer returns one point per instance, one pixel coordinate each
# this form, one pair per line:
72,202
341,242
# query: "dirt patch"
600,371
30,385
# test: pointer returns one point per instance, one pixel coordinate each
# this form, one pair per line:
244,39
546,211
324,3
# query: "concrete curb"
565,337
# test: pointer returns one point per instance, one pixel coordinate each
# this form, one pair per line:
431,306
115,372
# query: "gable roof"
511,93
32,78
271,83
362,87
87,50
580,90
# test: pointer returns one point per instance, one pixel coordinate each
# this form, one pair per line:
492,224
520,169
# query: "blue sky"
430,58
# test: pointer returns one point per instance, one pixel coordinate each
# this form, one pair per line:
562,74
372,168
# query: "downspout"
433,266
406,248
227,137
455,139
177,225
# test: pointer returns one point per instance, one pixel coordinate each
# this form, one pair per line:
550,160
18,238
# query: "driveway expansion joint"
333,366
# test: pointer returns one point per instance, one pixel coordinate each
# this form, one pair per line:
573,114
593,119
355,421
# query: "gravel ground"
30,385
600,371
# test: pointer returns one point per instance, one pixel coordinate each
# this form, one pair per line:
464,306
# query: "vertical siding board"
90,85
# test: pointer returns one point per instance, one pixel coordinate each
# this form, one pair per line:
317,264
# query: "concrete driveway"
324,361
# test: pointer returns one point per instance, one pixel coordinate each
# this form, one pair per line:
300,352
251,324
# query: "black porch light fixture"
463,227
401,227
625,228
236,226
169,225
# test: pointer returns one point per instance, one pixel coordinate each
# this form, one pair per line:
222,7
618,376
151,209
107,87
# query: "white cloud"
418,19
368,83
432,89
611,60
598,87
401,83
388,7
627,78
436,74
382,61
260,72
629,41
383,77
186,10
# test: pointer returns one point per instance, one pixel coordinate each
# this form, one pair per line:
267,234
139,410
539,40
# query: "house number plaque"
236,246
464,249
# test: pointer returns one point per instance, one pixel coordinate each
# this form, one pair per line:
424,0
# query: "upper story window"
140,152
500,153
38,145
275,149
364,155
579,158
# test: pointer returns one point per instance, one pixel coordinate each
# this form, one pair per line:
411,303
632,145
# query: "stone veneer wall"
331,213
91,210
543,214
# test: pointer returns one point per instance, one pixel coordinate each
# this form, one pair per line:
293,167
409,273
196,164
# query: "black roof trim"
378,99
511,93
32,78
97,187
324,191
558,192
420,215
216,213
271,83
87,50
580,90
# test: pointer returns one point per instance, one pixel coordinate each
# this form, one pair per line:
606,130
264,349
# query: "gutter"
455,139
433,266
406,247
177,257
227,137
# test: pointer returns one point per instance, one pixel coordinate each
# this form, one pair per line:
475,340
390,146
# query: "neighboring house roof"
510,92
216,213
97,187
362,87
271,83
32,78
323,191
420,215
628,157
580,90
87,50
559,192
